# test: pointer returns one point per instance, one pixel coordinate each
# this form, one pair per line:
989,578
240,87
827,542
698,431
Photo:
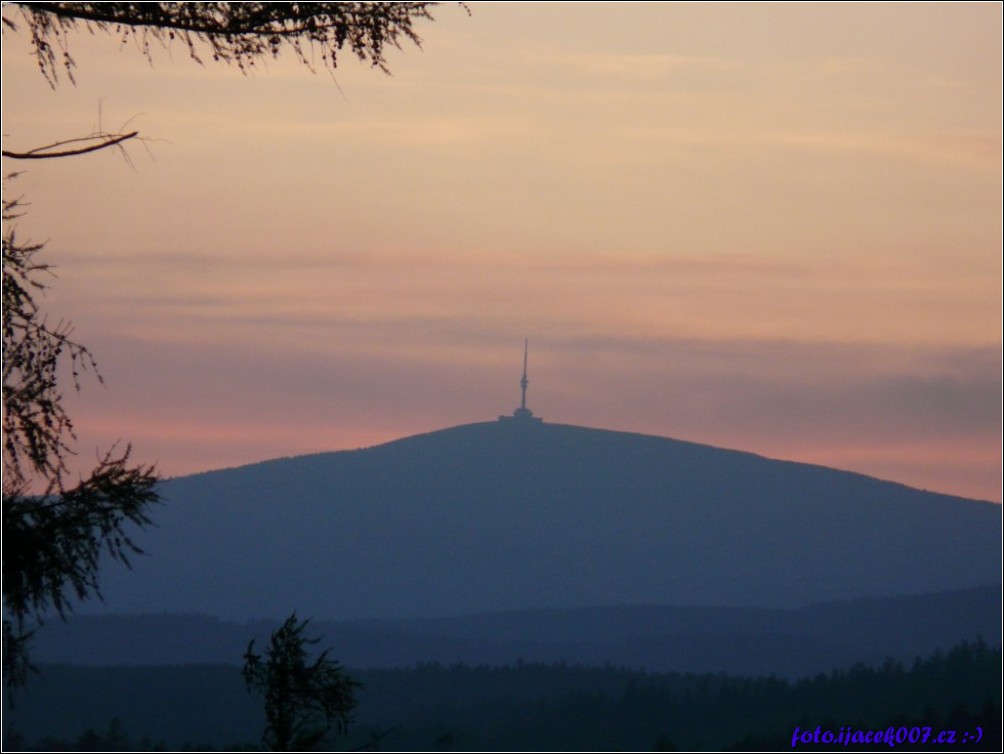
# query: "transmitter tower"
523,415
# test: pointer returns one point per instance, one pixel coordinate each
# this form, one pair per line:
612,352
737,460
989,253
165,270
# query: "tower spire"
524,382
523,415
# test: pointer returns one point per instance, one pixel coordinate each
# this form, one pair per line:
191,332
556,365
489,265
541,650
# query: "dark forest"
525,706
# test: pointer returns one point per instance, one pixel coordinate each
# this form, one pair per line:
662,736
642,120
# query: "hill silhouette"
508,516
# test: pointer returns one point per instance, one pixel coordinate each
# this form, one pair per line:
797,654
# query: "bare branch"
44,153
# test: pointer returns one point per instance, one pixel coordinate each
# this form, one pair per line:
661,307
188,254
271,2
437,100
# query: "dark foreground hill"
492,516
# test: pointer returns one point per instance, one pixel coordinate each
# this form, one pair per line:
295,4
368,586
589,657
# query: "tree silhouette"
54,530
303,700
242,34
239,33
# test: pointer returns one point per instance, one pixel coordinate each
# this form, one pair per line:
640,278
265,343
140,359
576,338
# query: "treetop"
241,33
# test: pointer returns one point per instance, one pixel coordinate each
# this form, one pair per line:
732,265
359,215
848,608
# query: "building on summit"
522,415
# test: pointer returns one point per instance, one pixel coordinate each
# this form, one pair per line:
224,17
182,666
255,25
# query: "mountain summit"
511,515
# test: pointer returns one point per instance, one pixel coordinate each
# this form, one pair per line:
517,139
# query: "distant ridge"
507,516
793,643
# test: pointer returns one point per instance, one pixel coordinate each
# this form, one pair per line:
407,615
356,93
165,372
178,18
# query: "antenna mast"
524,382
523,416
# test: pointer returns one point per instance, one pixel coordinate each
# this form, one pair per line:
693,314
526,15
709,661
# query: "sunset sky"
774,228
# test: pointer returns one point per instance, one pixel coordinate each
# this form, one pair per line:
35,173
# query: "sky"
768,227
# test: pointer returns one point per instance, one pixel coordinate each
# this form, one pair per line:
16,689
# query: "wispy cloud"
760,227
